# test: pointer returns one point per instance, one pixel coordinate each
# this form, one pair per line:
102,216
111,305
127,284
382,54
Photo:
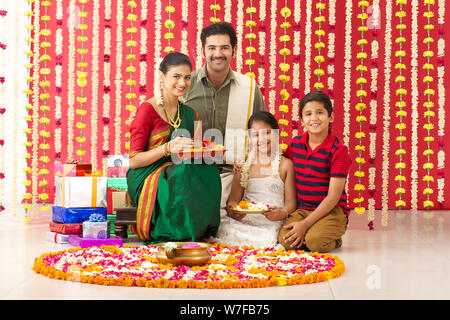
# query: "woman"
175,202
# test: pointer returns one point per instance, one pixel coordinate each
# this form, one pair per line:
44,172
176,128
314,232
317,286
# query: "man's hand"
296,235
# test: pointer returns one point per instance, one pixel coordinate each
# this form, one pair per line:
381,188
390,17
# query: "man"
224,99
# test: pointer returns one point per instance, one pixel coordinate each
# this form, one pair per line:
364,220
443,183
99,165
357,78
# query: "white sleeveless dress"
254,229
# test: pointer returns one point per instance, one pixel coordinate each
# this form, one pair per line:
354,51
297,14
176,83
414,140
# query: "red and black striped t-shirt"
314,168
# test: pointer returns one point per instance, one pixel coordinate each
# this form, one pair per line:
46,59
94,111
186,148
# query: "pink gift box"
78,241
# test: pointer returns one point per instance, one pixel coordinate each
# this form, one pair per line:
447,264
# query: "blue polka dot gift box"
96,227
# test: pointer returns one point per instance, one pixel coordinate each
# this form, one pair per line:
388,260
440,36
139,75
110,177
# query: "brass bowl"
184,256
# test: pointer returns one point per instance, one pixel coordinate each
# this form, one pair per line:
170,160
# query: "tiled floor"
408,259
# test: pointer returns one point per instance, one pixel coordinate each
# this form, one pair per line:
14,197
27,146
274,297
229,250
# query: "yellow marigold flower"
44,159
360,210
319,19
44,57
81,153
428,191
320,6
358,200
360,160
27,155
80,125
29,39
319,85
428,54
319,32
400,53
400,151
44,96
401,138
81,99
400,165
283,122
400,79
319,59
428,165
283,134
250,10
285,38
43,171
359,187
250,49
400,39
428,66
360,106
400,14
130,95
429,113
284,66
401,91
428,126
45,71
214,7
46,3
134,29
170,9
26,130
80,139
363,3
428,178
81,82
428,203
400,190
169,24
283,146
169,49
214,20
285,25
28,106
361,118
428,139
83,14
361,42
130,69
130,82
28,91
249,61
428,79
130,107
400,66
132,43
285,12
359,174
400,203
82,26
319,72
428,152
27,117
82,64
428,27
319,44
27,183
44,120
81,112
363,29
127,145
132,4
361,55
26,196
284,78
401,113
128,134
400,126
132,17
44,84
27,144
82,38
362,16
359,135
400,178
361,80
285,51
400,26
360,93
283,108
428,40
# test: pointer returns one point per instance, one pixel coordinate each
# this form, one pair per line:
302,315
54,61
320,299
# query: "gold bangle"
167,149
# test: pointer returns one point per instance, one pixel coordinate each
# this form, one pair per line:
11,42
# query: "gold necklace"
174,123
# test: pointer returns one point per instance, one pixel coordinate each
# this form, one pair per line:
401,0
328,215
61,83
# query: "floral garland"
428,166
227,15
261,43
414,105
81,79
441,103
251,159
331,48
308,34
386,115
214,7
347,71
239,34
273,43
58,78
44,96
27,196
296,69
169,24
157,58
319,45
284,67
373,121
95,83
250,49
360,106
143,50
198,62
71,82
130,95
230,267
401,104
3,108
118,79
106,82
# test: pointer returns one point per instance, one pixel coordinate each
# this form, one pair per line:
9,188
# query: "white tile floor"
408,259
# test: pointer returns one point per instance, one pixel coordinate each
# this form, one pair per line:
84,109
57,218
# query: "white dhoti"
226,178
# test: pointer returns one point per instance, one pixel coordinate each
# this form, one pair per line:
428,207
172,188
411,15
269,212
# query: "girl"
265,177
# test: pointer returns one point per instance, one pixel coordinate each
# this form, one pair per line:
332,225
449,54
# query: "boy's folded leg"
326,234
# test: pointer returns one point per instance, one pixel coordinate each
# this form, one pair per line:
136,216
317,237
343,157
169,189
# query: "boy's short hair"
219,28
318,96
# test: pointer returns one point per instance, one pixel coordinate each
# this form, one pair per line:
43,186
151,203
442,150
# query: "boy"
321,163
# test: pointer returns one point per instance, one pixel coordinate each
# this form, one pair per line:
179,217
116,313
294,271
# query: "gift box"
116,172
78,241
74,215
57,237
66,228
72,169
79,192
115,185
95,229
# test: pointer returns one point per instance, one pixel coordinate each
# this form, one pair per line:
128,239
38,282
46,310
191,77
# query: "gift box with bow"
78,192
